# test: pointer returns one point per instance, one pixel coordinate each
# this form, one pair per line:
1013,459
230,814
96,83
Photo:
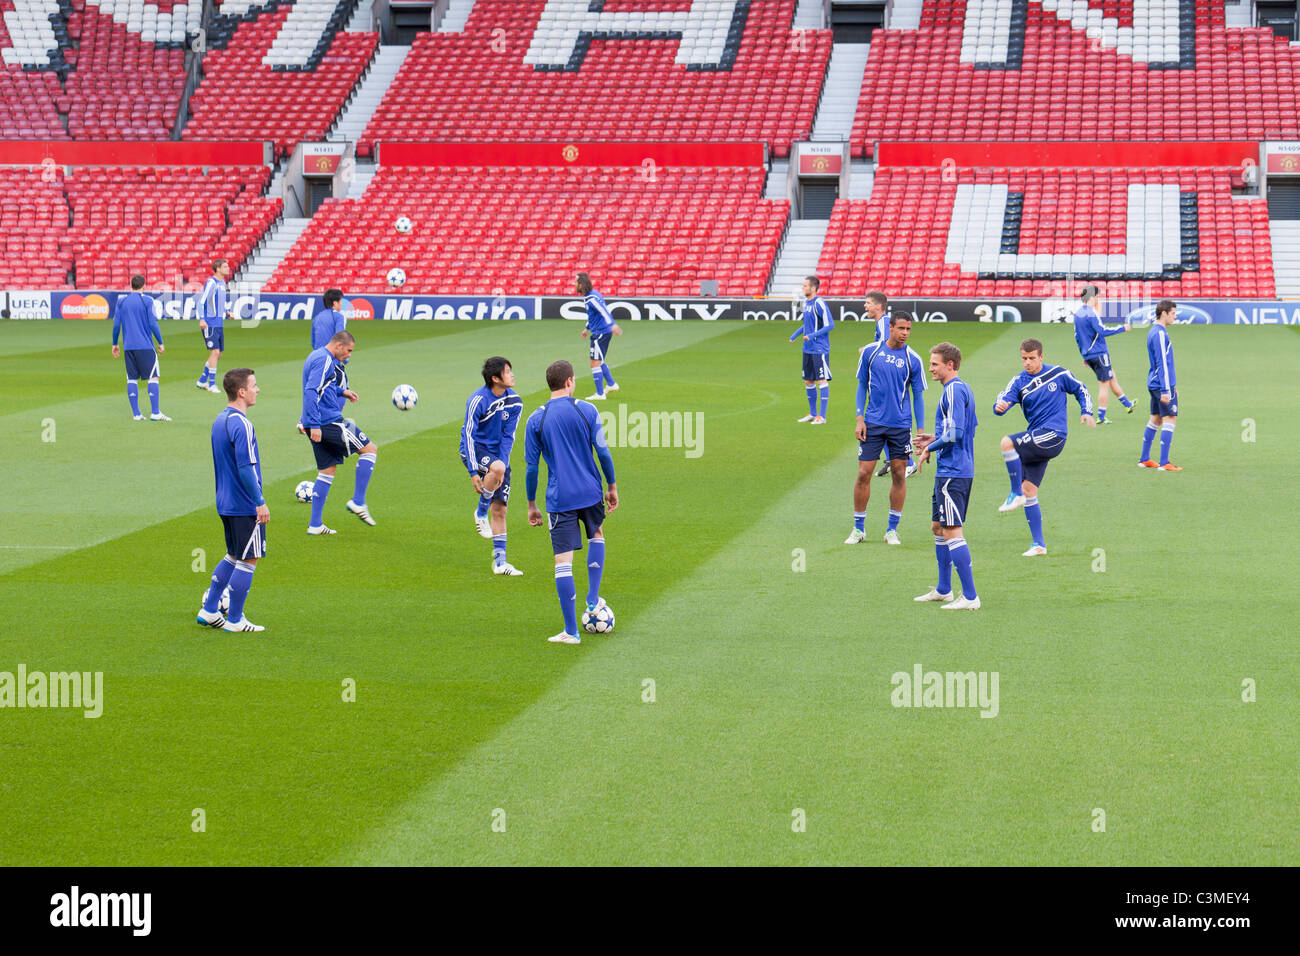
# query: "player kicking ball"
953,447
1041,392
134,318
486,439
1090,335
334,438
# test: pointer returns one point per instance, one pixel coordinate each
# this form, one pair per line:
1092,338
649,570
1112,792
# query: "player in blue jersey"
887,371
213,308
1041,391
328,321
240,504
567,433
135,318
333,437
816,338
1162,383
953,447
876,311
1090,335
487,437
600,327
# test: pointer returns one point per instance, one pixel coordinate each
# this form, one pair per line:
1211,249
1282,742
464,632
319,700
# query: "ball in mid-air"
304,491
599,621
404,225
396,278
404,397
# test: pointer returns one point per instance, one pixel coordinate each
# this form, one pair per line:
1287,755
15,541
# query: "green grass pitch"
766,644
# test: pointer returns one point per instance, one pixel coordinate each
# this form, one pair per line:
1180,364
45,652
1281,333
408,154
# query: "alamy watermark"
82,690
625,429
923,688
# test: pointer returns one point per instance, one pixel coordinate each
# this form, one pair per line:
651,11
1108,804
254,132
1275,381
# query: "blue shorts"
816,368
215,339
245,538
141,363
1164,409
898,441
600,346
1100,365
502,494
948,504
564,526
1036,448
338,440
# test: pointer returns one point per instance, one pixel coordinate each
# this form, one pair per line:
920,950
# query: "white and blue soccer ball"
223,605
404,397
396,277
599,621
404,225
305,491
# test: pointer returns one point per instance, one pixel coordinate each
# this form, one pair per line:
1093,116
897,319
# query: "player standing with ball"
487,437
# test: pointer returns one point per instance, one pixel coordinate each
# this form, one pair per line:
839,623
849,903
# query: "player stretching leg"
600,326
134,317
334,438
212,308
491,418
1090,335
566,433
1041,391
1162,383
816,336
953,447
887,370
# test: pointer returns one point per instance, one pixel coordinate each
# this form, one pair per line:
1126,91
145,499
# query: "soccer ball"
403,225
599,621
304,491
396,278
223,605
404,397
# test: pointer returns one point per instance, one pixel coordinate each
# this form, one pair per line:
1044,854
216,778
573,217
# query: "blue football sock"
240,581
498,550
365,468
893,519
1166,440
944,558
220,578
484,500
860,520
154,397
1034,515
961,561
1101,414
133,395
206,375
595,567
599,380
812,399
320,491
825,397
1125,401
609,376
1013,469
1148,436
568,595
911,462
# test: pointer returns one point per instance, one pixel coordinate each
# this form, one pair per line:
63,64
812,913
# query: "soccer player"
600,326
876,311
213,308
816,335
334,438
887,371
328,321
1091,335
1162,383
240,504
566,433
1041,391
134,318
953,447
486,439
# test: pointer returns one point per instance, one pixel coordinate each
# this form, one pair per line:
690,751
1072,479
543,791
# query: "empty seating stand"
35,252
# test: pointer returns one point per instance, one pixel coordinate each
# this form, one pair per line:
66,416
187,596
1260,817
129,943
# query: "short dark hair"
236,379
557,373
899,315
1031,345
878,297
493,367
343,335
816,282
1166,305
137,282
584,282
219,262
333,297
949,353
1088,292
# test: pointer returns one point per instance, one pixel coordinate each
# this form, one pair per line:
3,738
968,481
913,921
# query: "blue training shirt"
135,318
234,450
817,325
599,319
954,427
212,303
882,328
566,432
1160,356
1090,335
488,431
1043,397
323,326
884,377
324,381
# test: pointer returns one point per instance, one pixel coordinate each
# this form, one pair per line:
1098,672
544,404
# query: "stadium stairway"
808,15
862,176
798,256
457,15
840,93
1286,257
279,240
356,113
905,15
1239,14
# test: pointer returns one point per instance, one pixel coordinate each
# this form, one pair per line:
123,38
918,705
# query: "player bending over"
887,371
334,438
134,317
1090,335
1162,383
600,326
816,336
566,433
953,447
1041,391
491,418
213,308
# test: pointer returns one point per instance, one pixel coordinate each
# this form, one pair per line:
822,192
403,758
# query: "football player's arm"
508,435
1075,387
606,462
825,330
245,466
532,456
1007,397
311,400
950,432
1107,333
918,396
155,329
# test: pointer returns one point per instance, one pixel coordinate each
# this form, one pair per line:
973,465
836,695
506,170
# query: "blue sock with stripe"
860,520
1034,515
944,557
595,568
960,555
608,375
825,397
812,398
599,379
894,516
484,500
1166,441
1148,436
498,550
1101,414
1125,401
220,578
240,581
153,397
320,491
365,468
133,395
568,596
1013,469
